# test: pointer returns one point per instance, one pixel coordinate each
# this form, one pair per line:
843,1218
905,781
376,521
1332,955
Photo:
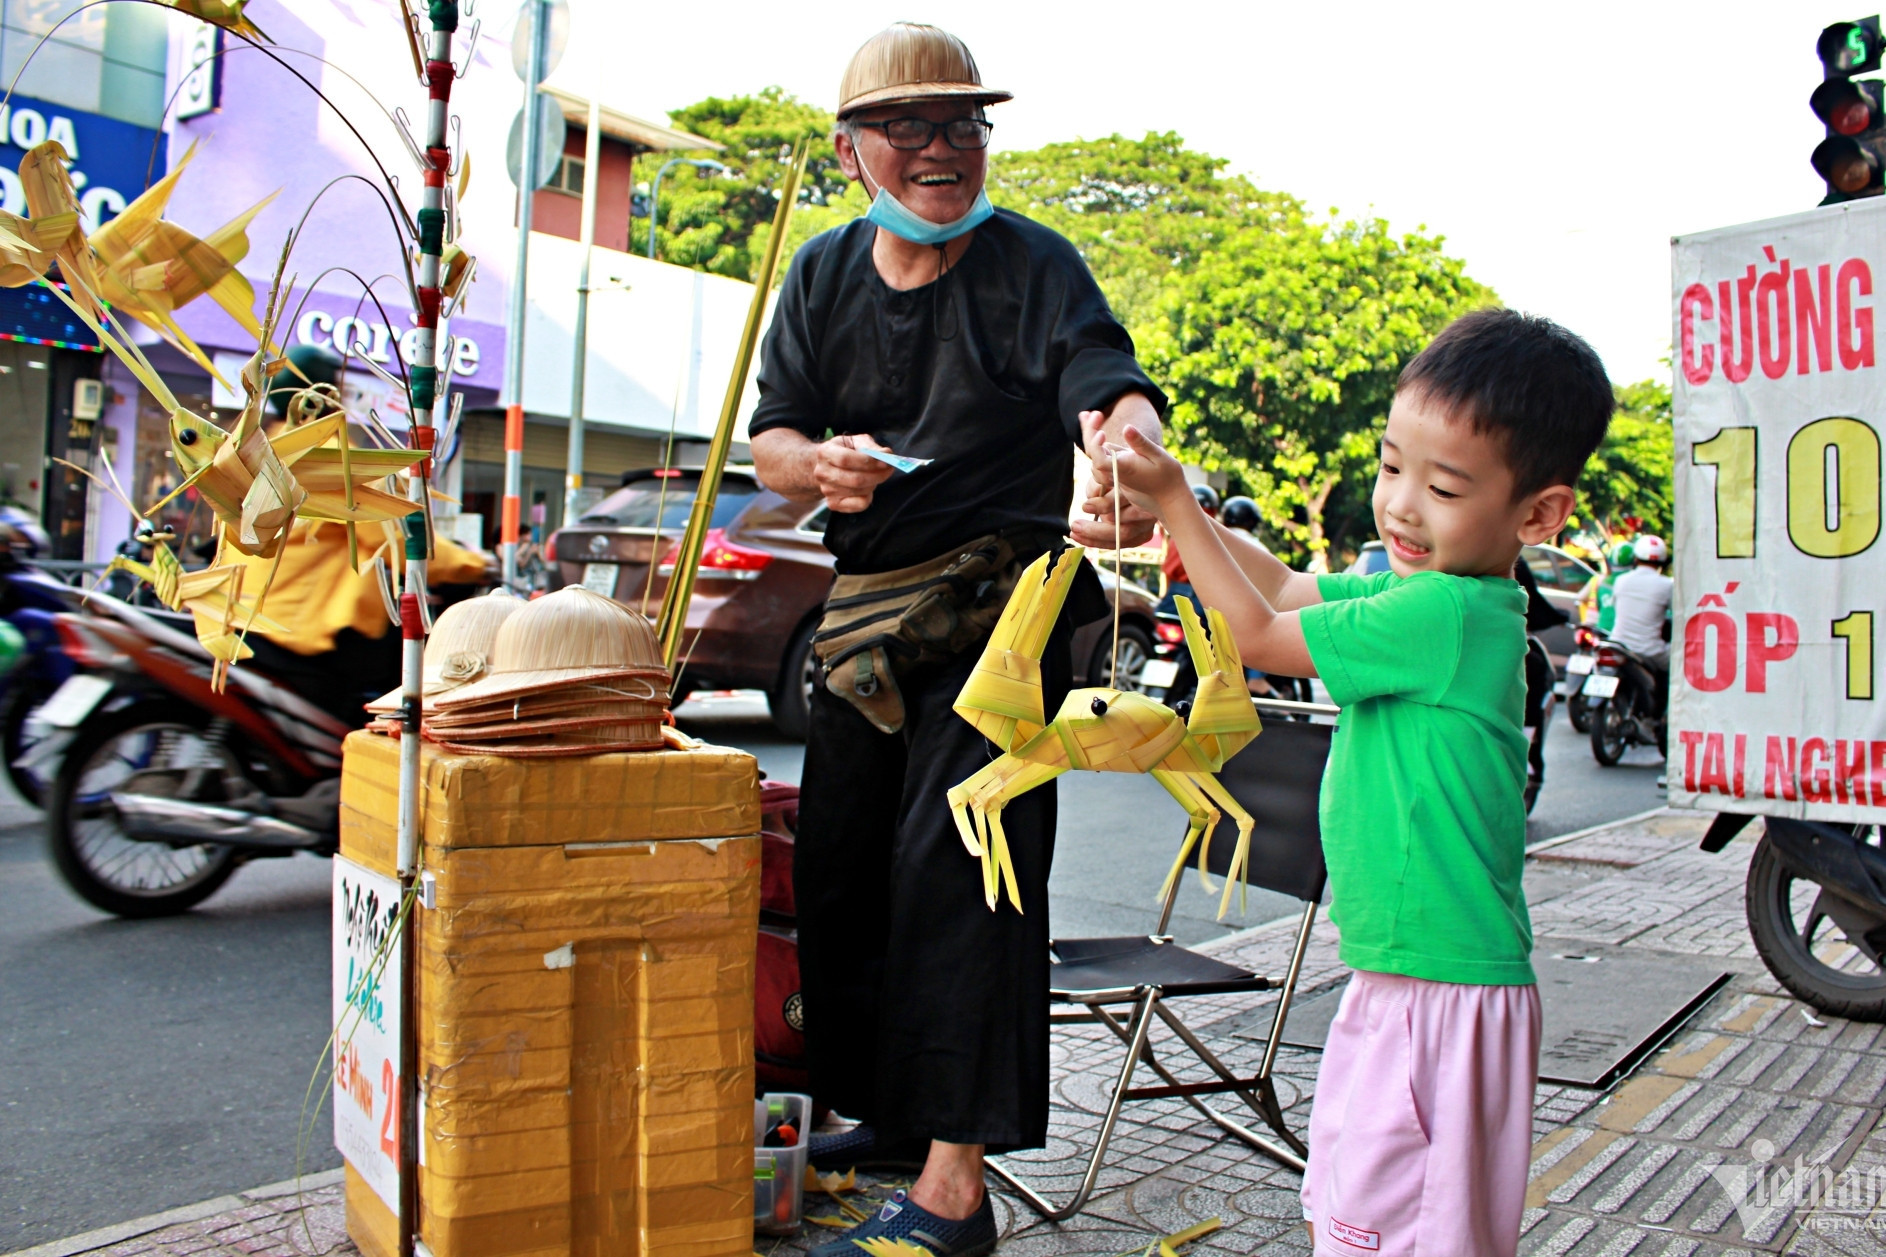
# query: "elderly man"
940,329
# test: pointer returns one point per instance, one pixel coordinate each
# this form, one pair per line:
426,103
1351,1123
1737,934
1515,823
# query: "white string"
1113,670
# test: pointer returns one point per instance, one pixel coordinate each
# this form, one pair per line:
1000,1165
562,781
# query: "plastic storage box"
779,1173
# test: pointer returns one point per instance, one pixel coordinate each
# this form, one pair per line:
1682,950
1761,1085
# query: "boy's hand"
846,478
1150,477
1097,531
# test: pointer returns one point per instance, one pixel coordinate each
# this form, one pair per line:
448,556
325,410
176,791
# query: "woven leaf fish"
1100,730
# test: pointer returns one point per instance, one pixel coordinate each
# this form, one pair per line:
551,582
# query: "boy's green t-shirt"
1423,811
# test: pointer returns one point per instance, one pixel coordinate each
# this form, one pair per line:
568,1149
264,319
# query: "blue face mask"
897,218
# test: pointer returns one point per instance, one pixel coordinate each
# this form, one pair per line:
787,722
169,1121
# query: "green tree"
720,222
1276,334
1280,349
1140,211
1631,474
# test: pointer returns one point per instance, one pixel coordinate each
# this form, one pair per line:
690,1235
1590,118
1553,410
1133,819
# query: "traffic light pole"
514,332
573,470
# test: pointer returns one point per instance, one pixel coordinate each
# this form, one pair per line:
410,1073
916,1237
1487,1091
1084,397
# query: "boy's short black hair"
1538,389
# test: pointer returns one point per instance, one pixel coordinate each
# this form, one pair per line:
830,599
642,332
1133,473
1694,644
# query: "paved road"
145,1065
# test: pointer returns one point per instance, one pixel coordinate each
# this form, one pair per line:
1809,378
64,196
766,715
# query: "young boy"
1422,1122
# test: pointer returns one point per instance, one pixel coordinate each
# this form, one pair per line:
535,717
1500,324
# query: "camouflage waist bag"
879,626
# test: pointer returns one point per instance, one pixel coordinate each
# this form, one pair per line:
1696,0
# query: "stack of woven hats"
571,673
458,650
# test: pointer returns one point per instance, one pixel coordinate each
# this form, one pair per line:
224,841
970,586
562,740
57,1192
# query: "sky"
1558,148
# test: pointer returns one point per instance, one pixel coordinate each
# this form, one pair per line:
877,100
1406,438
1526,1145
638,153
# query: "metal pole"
654,204
573,470
514,350
425,397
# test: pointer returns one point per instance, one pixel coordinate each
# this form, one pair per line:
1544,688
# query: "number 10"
1833,488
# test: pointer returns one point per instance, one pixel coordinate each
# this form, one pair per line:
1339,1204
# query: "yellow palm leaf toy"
224,13
1099,730
244,477
149,266
213,595
50,231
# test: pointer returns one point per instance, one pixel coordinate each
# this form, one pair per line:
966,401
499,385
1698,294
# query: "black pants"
926,1013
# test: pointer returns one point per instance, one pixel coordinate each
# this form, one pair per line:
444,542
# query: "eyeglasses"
911,134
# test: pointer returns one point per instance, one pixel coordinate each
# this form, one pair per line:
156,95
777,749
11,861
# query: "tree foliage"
1631,474
720,222
1276,332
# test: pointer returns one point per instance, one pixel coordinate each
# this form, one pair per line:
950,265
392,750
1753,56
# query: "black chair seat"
1090,966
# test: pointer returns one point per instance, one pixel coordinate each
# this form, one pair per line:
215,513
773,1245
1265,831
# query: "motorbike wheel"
1578,710
105,868
20,702
1610,731
791,699
1802,945
1136,647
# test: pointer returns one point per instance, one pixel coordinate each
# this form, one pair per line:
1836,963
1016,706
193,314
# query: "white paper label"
367,1007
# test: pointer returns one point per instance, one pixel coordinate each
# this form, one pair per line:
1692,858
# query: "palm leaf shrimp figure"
1100,730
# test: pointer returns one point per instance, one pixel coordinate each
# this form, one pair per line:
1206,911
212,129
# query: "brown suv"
763,577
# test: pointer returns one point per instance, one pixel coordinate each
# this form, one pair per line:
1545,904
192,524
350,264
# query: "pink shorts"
1421,1125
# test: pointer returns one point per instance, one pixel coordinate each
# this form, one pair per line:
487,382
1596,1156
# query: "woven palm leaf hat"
907,62
571,637
458,650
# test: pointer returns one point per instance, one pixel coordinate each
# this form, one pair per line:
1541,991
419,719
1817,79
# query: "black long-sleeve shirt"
986,370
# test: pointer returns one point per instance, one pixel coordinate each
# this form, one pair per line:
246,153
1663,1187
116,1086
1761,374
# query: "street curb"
1546,844
119,1232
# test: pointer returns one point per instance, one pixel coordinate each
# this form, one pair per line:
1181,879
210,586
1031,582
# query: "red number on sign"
389,1136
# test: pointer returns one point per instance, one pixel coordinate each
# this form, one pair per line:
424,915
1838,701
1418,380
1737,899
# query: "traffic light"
1852,157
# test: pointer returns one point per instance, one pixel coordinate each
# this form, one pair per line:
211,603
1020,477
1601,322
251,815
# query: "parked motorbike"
164,787
1626,708
1816,904
1578,666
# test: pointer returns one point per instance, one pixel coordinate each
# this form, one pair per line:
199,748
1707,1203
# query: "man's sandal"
901,1219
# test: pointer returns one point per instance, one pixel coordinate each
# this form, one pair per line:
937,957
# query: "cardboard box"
584,999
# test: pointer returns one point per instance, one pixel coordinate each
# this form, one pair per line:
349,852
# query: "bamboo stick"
673,619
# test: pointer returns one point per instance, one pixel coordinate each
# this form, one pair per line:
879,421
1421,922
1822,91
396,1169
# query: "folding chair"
1277,779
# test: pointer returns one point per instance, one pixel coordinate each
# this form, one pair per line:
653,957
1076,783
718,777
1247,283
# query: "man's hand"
845,478
1136,523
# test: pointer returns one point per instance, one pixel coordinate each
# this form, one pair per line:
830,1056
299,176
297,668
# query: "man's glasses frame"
913,134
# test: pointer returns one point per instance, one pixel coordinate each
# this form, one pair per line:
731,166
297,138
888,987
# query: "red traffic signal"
1848,107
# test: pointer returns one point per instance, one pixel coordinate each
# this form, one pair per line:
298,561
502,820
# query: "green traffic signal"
1850,48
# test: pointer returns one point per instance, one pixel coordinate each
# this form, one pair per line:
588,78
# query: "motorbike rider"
1606,593
1641,599
337,653
1174,566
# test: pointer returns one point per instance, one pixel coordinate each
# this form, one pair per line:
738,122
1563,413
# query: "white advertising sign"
1780,400
367,1019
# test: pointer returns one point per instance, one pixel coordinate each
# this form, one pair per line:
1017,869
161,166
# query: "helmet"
1239,512
308,365
1622,555
1650,549
1207,498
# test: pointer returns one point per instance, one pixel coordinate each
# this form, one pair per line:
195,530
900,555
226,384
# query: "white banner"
1780,572
367,1009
